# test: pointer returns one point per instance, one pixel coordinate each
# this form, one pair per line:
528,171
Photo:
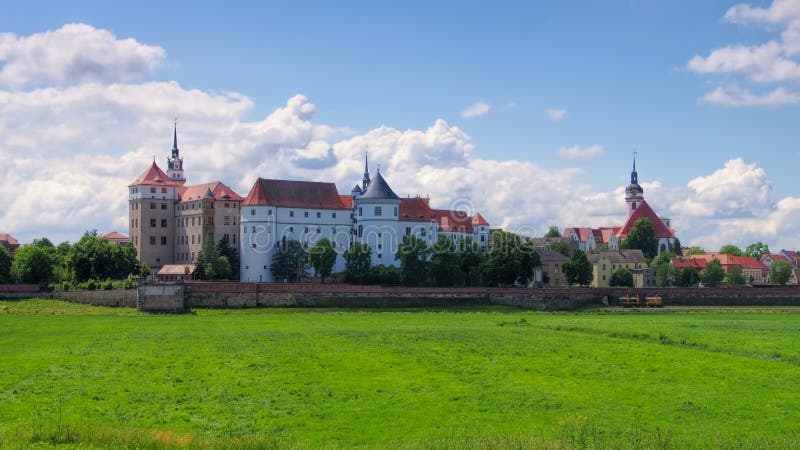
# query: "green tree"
289,262
471,257
224,248
691,251
5,265
667,274
445,264
413,256
561,247
780,272
731,249
661,259
622,277
210,265
578,270
98,258
144,269
357,260
643,237
33,263
735,276
322,257
677,248
757,250
512,260
61,263
713,273
553,232
689,277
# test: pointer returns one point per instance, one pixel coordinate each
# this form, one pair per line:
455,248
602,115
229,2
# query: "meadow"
75,376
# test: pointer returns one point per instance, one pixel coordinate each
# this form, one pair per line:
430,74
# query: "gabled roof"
8,239
219,191
618,256
294,194
582,233
114,235
645,211
153,176
453,221
726,261
682,262
547,255
379,189
415,210
775,257
478,219
347,201
175,269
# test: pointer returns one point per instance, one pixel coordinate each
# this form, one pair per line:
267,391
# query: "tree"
357,260
731,249
677,248
691,251
667,274
689,277
210,265
735,276
780,272
98,258
561,247
413,256
5,265
231,253
553,232
713,273
33,263
578,270
511,260
661,259
471,257
445,264
289,262
643,237
757,250
622,277
322,256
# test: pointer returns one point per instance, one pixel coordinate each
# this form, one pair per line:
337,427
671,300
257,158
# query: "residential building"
767,260
604,264
176,272
549,273
753,270
116,238
9,242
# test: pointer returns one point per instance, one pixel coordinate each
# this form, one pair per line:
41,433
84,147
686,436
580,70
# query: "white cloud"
774,61
556,114
479,108
74,53
736,96
578,152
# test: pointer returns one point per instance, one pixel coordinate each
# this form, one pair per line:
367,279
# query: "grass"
75,376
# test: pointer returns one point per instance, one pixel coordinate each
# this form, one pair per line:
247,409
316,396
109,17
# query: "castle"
170,221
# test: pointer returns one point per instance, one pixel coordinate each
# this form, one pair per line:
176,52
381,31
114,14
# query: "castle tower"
175,162
377,220
634,193
365,180
151,202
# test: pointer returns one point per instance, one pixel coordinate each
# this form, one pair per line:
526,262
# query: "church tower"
175,163
365,180
634,193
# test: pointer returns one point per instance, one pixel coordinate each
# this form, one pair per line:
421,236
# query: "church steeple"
634,175
633,193
175,163
365,181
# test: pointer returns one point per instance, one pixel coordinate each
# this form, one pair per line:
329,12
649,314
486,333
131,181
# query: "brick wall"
19,288
113,297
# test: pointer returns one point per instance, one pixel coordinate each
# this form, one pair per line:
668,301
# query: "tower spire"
175,163
175,136
365,181
634,175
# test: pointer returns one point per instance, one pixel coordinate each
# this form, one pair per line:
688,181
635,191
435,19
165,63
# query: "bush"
65,286
107,285
128,284
90,284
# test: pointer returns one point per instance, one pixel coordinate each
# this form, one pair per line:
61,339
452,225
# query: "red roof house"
9,242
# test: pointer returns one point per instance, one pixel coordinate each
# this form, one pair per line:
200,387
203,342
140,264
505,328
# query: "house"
116,238
9,242
604,264
753,270
549,273
176,272
768,259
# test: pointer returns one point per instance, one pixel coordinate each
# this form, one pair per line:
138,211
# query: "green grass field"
77,376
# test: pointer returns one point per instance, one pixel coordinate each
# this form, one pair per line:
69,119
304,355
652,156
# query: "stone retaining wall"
111,297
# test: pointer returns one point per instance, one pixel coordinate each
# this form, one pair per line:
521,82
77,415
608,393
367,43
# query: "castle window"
408,231
163,223
192,239
333,215
291,213
395,211
422,232
163,190
153,223
152,205
319,214
227,220
483,238
319,230
378,211
152,240
227,205
359,211
163,240
633,206
360,230
269,212
305,230
152,190
252,211
291,229
305,213
234,239
254,230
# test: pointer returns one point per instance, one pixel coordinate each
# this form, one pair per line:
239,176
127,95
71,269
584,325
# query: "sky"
527,112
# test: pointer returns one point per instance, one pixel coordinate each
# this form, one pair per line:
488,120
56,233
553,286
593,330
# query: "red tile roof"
294,194
9,242
726,261
453,221
219,189
154,175
347,201
697,264
775,257
416,210
582,233
175,269
478,219
644,211
114,235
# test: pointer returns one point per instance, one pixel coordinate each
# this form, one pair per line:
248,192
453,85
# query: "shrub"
90,284
65,285
107,285
128,284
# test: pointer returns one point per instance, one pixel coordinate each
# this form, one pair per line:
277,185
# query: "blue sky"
619,70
